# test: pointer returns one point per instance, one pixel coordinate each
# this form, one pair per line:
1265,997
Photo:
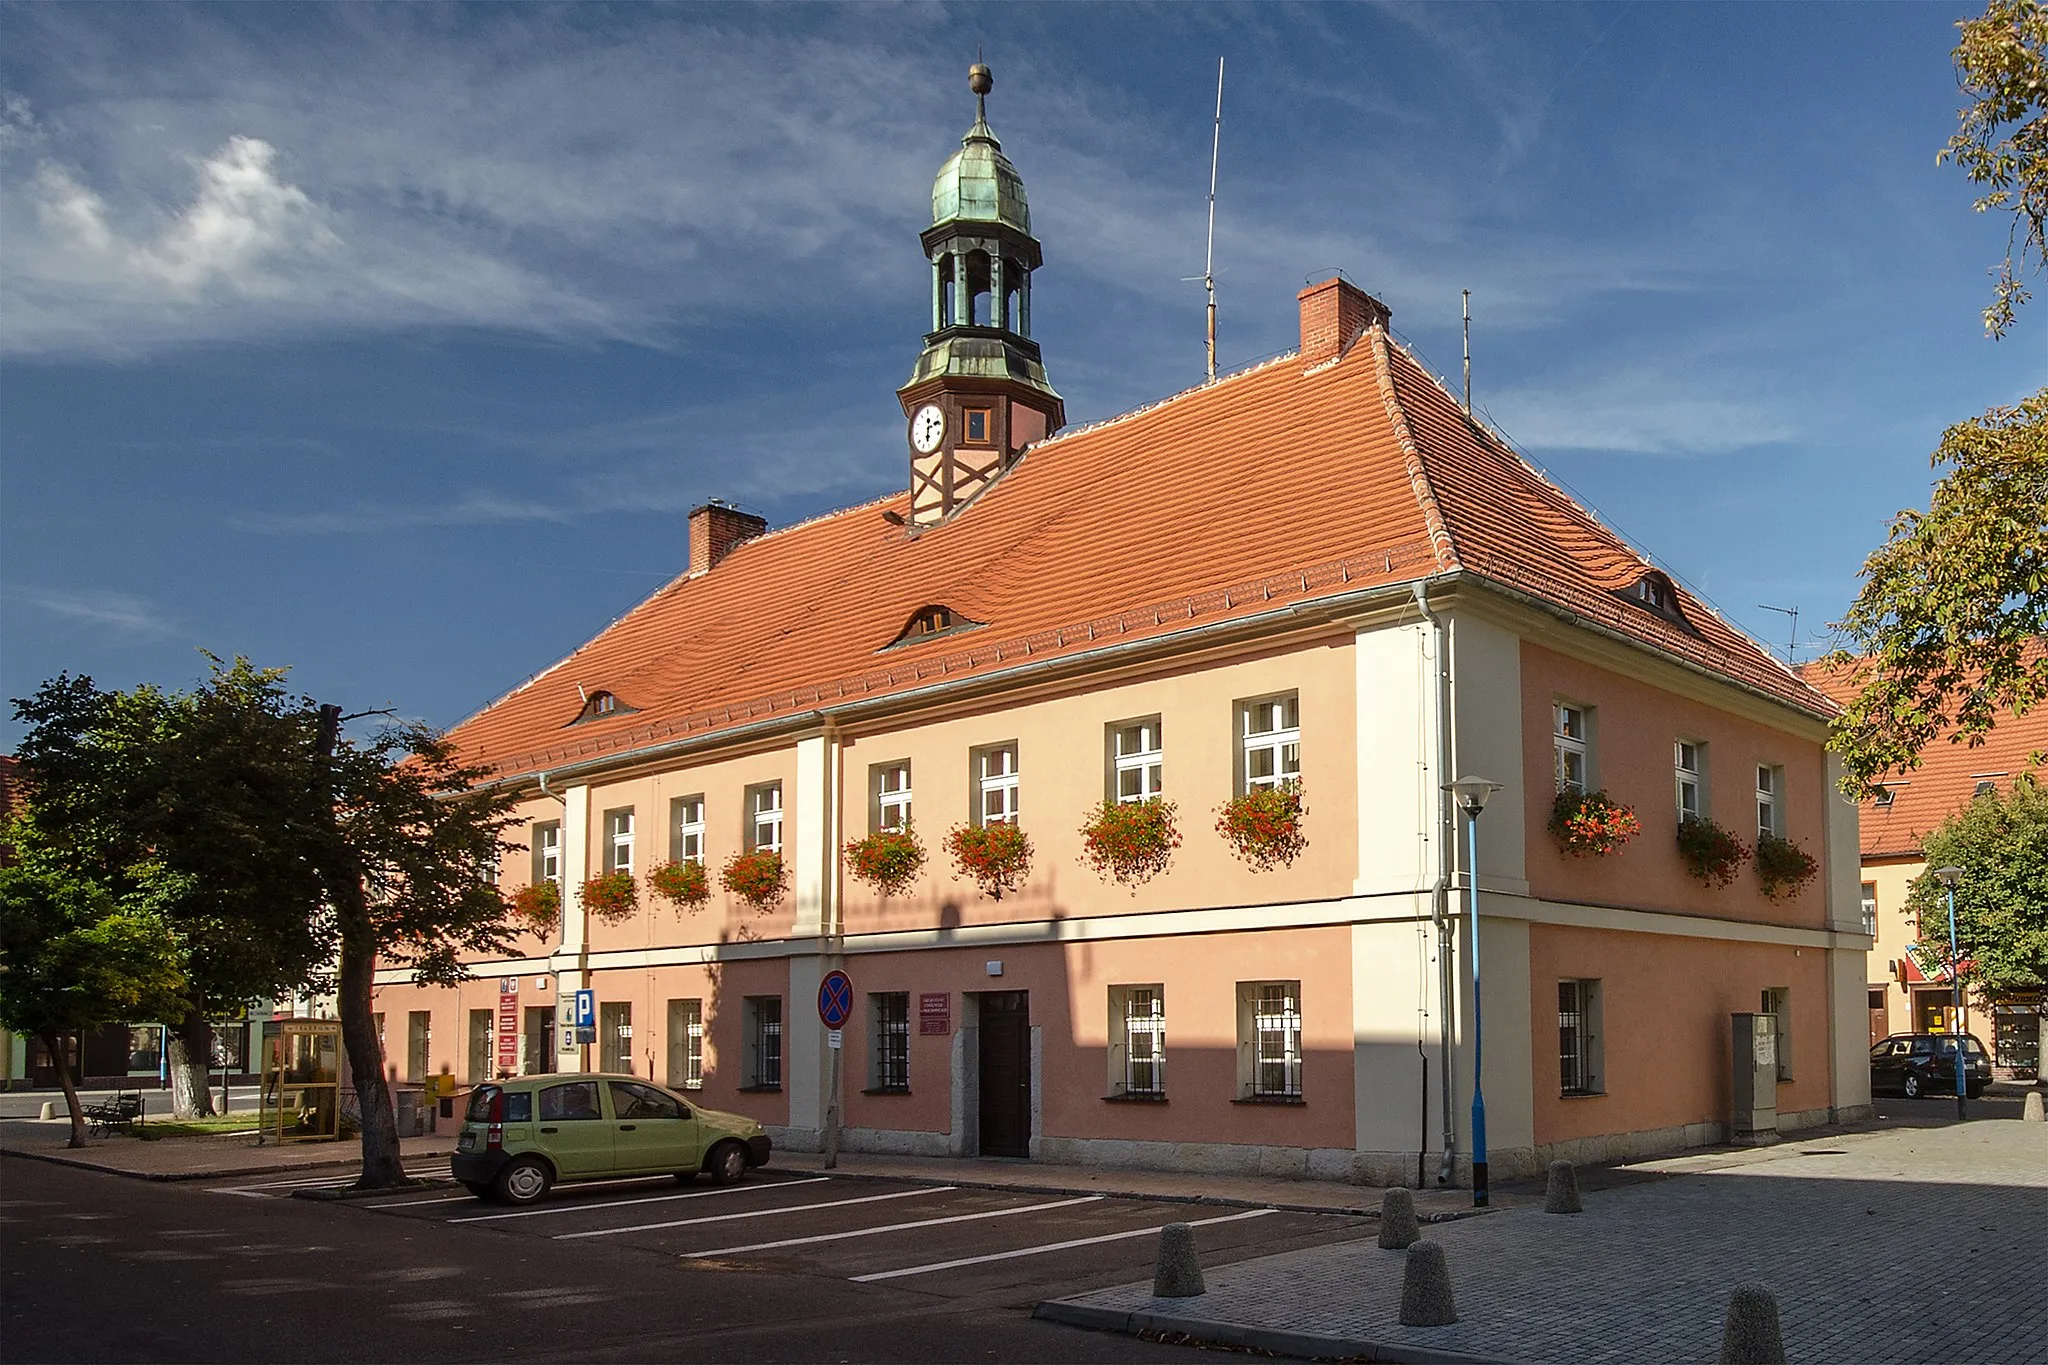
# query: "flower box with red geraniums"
683,884
1783,867
759,878
539,906
1711,853
888,860
1130,842
996,856
1591,824
612,897
1263,826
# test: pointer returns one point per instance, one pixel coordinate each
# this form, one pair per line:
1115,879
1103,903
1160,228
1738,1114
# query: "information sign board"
508,1033
935,1013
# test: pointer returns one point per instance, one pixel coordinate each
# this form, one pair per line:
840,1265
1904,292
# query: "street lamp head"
1949,875
1471,793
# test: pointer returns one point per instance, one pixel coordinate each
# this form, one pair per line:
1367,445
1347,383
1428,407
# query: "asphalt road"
782,1267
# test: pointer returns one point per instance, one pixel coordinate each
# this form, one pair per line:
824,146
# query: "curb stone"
1307,1345
59,1158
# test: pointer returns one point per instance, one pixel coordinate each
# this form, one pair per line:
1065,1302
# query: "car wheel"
1912,1085
524,1180
480,1188
727,1163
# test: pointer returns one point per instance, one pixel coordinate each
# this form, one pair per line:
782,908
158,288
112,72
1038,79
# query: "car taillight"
494,1131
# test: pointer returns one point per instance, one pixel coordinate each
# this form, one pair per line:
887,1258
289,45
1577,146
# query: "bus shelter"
301,1095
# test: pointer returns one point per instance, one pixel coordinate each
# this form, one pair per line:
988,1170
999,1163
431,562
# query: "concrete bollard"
1426,1288
1750,1336
1179,1272
1561,1195
49,1110
2031,1112
1398,1227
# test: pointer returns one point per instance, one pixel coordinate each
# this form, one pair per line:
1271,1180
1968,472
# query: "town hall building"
1312,593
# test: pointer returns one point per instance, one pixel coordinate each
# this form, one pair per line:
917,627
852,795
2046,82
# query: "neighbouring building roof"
1949,773
1268,488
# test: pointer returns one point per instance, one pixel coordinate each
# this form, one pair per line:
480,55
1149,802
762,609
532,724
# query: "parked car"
1917,1064
519,1137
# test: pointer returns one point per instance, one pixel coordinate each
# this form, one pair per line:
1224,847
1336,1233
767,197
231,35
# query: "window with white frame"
618,840
1578,1037
1571,740
889,1041
1770,792
1870,908
1690,761
1137,1041
1777,1002
891,788
1269,1040
686,829
995,784
1138,757
764,817
762,1019
686,1044
1270,734
547,852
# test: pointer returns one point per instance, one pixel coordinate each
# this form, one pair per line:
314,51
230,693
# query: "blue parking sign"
586,1009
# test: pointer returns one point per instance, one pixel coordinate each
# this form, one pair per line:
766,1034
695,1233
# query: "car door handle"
551,1130
628,1127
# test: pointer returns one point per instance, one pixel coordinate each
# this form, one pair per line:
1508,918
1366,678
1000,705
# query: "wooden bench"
119,1112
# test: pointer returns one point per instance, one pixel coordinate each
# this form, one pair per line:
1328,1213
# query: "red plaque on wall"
935,1012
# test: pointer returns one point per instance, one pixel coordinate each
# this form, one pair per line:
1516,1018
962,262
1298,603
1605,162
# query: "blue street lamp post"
1471,793
1949,877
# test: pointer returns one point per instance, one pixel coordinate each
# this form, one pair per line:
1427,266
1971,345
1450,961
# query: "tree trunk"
191,1065
55,1044
381,1163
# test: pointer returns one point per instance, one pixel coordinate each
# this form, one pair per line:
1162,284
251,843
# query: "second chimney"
716,530
1333,315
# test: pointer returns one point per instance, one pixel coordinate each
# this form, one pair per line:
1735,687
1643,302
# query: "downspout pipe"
1440,893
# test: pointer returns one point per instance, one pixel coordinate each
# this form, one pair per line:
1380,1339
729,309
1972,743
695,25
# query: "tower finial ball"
980,79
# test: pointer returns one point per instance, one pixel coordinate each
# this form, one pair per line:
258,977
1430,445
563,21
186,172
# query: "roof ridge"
1440,538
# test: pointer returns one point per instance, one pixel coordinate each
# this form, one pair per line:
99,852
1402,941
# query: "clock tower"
978,395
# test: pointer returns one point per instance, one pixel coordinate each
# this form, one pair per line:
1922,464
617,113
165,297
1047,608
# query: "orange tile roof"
1268,488
1948,774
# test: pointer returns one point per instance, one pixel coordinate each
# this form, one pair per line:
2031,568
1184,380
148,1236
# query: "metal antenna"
1791,650
1468,352
1209,261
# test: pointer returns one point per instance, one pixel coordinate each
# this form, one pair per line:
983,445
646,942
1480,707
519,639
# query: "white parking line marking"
754,1213
335,1181
1048,1247
651,1199
893,1227
580,1185
415,1203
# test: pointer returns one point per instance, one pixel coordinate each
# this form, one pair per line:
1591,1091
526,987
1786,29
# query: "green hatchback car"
521,1136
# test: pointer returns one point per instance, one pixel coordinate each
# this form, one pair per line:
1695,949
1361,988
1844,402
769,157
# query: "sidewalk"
194,1158
1645,1272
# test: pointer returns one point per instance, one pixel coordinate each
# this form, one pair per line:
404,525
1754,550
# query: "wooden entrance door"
1006,1073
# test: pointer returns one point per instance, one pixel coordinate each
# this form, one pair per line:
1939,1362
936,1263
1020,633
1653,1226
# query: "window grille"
1144,1041
892,1040
1272,742
687,1038
765,1025
1574,1072
1276,1021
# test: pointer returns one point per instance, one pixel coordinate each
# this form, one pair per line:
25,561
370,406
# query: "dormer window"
1654,590
927,622
1884,798
599,705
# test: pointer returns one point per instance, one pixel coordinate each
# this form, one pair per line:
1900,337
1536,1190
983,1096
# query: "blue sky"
394,344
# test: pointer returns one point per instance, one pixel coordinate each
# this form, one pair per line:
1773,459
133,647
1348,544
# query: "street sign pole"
835,1007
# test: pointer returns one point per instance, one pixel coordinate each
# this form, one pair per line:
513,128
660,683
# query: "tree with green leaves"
1946,633
2001,138
211,786
2000,841
72,959
409,859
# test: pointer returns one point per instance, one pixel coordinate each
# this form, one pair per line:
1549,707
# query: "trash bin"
411,1115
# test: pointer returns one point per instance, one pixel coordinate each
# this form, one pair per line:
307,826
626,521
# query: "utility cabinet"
1753,1052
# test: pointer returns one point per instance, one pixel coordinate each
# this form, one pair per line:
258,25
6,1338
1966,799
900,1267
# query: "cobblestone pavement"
1914,1245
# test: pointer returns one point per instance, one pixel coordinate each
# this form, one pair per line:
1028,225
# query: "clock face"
927,429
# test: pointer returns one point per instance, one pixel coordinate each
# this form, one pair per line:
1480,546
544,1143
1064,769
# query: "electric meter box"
1753,1051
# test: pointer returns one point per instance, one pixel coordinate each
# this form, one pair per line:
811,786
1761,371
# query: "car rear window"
518,1104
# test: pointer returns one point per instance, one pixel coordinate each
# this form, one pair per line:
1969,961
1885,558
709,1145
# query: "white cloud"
117,613
1659,409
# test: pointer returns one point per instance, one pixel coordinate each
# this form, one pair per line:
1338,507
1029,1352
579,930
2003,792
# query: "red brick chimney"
1333,315
716,530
